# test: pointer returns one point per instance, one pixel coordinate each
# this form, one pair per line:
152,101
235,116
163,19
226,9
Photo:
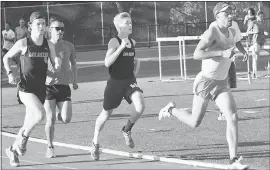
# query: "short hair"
252,11
119,17
54,19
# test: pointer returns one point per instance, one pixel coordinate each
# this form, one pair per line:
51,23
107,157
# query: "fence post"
186,29
110,32
5,19
148,35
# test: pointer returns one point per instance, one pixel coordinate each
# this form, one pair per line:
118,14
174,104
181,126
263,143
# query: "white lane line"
258,100
40,163
250,111
127,154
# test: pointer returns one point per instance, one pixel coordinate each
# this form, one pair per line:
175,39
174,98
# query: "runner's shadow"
249,90
72,162
221,156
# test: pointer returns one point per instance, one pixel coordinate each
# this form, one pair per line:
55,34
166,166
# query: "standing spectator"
8,38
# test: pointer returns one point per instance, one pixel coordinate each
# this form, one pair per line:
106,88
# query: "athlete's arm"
207,40
136,62
54,58
74,68
114,49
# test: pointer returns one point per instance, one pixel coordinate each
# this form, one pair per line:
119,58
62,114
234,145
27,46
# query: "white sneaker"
164,112
13,157
50,152
236,164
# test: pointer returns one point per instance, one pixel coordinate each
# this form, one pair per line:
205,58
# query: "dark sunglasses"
59,28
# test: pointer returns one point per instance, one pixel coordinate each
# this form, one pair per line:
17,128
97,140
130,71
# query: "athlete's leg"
193,119
65,109
63,102
50,108
34,114
136,97
100,123
139,105
226,104
255,55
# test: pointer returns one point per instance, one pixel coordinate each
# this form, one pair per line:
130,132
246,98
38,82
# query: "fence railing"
144,34
92,29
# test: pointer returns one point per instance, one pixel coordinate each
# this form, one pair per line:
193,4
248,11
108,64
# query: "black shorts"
116,90
59,92
41,94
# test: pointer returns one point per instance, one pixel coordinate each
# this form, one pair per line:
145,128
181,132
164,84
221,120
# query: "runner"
57,90
215,49
123,67
232,80
259,31
35,52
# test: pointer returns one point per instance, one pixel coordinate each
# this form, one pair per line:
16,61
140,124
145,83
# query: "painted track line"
130,155
40,163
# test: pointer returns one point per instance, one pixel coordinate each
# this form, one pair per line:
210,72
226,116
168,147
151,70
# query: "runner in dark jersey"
35,51
123,67
58,93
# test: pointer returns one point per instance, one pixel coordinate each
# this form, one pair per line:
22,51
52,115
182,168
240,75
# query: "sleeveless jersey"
217,67
33,66
123,66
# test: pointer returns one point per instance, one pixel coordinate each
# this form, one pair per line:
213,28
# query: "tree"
125,6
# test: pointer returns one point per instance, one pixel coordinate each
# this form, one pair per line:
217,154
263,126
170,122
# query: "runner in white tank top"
215,50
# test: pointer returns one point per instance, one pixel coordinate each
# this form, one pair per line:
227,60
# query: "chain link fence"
90,25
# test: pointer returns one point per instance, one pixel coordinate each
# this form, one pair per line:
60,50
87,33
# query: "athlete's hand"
12,79
229,53
75,86
125,43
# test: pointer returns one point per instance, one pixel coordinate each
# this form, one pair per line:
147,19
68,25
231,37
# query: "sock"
128,126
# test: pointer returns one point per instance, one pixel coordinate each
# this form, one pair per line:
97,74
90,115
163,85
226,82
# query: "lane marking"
250,111
258,100
40,164
127,154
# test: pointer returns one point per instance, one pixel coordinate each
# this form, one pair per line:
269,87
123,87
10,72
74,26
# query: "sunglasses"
59,28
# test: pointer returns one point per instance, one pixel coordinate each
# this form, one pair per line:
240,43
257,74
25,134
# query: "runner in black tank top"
33,69
34,53
123,67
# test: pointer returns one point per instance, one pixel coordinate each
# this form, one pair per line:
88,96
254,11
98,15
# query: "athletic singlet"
217,67
65,50
33,66
123,66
